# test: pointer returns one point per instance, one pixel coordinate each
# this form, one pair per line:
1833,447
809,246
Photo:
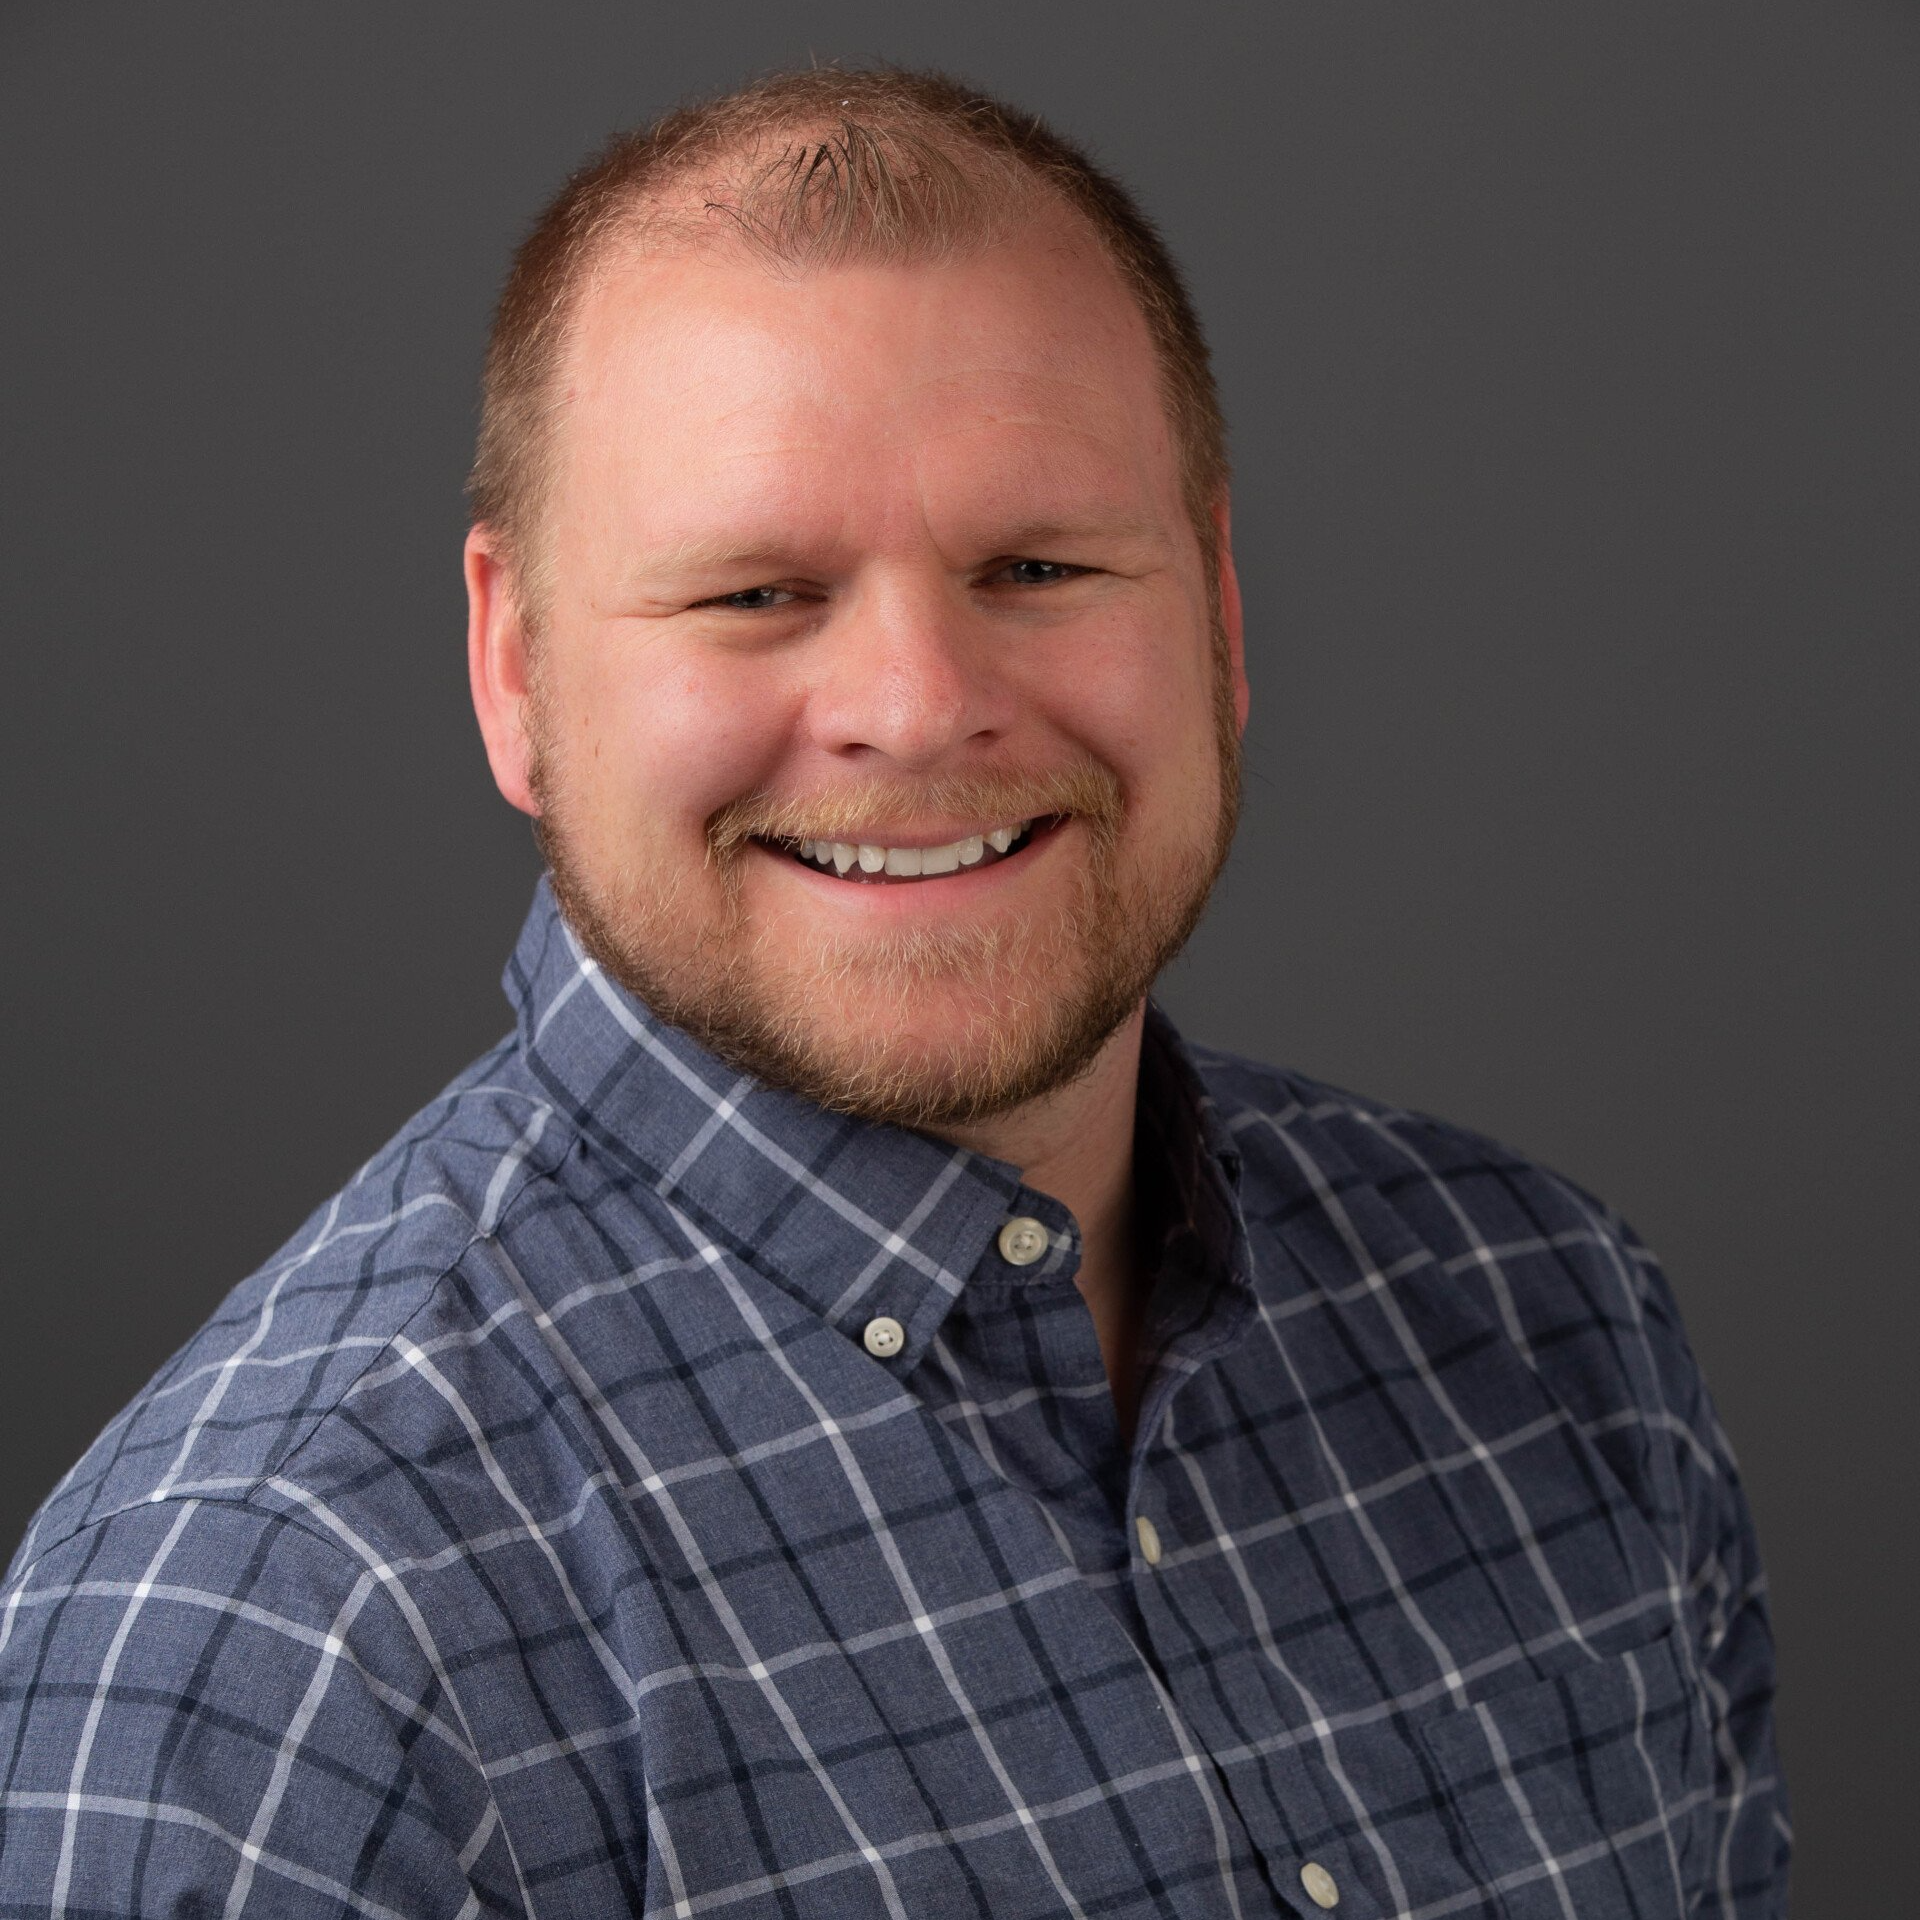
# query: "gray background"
1570,351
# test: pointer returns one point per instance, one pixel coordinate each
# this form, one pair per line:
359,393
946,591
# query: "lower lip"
938,891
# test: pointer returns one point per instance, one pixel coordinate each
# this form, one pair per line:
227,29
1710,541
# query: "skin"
857,530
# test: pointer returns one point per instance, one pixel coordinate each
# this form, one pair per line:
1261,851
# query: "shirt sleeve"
204,1708
1733,1638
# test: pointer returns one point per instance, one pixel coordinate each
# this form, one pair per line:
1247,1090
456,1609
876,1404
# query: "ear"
498,669
1230,612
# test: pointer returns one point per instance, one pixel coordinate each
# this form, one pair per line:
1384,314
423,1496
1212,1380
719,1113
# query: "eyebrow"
1046,533
711,553
728,553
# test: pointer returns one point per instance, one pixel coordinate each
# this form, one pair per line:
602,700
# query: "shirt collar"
854,1218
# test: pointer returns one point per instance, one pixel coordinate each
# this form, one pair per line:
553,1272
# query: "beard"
1027,999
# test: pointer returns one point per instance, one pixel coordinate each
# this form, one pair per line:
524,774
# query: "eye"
1038,573
750,599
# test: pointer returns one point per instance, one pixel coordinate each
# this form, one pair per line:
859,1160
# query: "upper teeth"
841,854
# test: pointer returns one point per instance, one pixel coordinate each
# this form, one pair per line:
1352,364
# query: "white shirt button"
1149,1540
1319,1885
884,1337
1022,1241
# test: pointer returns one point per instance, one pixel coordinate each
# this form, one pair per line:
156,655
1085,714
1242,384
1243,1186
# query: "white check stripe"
714,1123
1138,1781
1503,1761
514,1309
510,1164
896,1243
703,1671
76,1799
1415,1700
1203,1781
484,1830
981,1434
145,1813
1632,1665
661,1834
298,1728
1559,1867
1734,1764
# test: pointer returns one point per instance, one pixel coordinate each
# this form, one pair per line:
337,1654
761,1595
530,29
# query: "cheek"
676,742
1139,695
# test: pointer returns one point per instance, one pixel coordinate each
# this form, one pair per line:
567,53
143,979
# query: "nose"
905,676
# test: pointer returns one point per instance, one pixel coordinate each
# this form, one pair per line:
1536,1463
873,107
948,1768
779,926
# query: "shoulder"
1553,1266
1278,1116
284,1350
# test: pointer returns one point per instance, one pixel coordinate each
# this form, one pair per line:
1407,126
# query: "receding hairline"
686,220
953,194
665,235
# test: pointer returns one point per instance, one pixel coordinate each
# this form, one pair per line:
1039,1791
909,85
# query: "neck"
1076,1145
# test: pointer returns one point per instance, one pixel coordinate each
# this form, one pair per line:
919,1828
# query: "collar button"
1022,1241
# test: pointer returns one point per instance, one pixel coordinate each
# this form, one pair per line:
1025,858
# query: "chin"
932,1053
929,1086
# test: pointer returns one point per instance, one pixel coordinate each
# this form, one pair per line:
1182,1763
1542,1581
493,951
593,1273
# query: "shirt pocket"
1588,1794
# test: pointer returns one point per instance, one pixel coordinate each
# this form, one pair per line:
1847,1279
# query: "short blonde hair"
814,168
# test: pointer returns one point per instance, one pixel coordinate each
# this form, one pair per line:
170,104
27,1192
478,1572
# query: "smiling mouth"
876,864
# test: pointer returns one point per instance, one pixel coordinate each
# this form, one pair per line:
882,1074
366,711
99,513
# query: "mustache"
1085,788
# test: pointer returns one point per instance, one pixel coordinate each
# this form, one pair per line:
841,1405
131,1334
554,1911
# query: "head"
850,498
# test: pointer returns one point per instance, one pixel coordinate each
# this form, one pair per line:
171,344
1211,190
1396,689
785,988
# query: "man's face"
854,574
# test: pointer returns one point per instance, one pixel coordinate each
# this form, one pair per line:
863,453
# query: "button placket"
1161,1590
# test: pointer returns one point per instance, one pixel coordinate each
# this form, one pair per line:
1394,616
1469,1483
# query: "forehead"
1025,366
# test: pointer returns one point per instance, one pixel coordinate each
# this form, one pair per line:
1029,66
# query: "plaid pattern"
536,1535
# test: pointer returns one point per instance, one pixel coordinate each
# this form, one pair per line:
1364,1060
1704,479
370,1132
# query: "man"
844,1412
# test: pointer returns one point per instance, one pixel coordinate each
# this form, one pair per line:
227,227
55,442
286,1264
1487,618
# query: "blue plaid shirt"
541,1533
